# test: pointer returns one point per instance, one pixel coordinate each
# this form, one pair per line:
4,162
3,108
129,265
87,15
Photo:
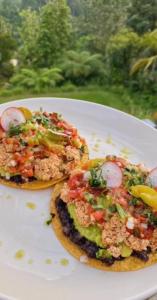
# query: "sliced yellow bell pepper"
150,200
146,193
27,113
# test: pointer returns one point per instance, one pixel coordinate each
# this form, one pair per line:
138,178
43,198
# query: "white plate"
40,273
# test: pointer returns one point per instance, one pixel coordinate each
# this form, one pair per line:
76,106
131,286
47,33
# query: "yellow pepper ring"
146,193
27,113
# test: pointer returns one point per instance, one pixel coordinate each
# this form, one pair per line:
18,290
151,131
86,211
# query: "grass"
116,97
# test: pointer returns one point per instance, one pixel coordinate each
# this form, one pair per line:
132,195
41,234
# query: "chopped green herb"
96,179
121,211
89,197
23,143
112,208
134,202
82,149
48,222
14,130
151,217
133,177
41,119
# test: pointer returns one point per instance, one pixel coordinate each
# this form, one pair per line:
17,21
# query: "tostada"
38,148
105,215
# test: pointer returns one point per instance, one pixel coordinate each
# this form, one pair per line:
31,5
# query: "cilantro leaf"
14,130
96,179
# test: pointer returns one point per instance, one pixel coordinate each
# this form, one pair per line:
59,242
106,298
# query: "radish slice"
11,116
152,178
112,174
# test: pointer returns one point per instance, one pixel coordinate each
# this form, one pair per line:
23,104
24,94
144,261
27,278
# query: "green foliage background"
99,48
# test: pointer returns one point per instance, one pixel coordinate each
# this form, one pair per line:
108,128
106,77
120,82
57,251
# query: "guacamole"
92,232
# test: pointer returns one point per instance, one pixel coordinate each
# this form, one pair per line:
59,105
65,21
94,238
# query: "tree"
122,49
76,7
142,15
33,4
36,80
7,47
147,57
144,68
55,32
100,20
145,64
80,67
10,11
29,33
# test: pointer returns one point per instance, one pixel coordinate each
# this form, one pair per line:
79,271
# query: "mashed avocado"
92,232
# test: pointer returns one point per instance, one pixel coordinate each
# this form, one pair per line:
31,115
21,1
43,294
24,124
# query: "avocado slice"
126,251
57,137
51,145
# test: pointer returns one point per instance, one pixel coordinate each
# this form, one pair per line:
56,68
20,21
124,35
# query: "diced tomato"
13,170
46,114
68,128
27,172
9,141
19,158
22,157
76,194
96,192
90,209
75,181
54,117
129,230
148,233
98,215
140,219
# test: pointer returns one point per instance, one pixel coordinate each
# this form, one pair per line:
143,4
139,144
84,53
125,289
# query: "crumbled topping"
114,231
136,243
153,241
48,168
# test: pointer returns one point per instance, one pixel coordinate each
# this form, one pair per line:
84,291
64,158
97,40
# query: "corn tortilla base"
128,264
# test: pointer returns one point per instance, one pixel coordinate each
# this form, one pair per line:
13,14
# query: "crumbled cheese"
130,223
12,163
143,225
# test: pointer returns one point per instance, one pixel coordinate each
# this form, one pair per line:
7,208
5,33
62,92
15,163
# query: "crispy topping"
153,241
82,212
114,231
115,251
48,168
136,243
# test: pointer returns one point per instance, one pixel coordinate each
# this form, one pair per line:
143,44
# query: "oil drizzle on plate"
125,152
31,205
64,262
30,261
48,261
20,254
109,140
